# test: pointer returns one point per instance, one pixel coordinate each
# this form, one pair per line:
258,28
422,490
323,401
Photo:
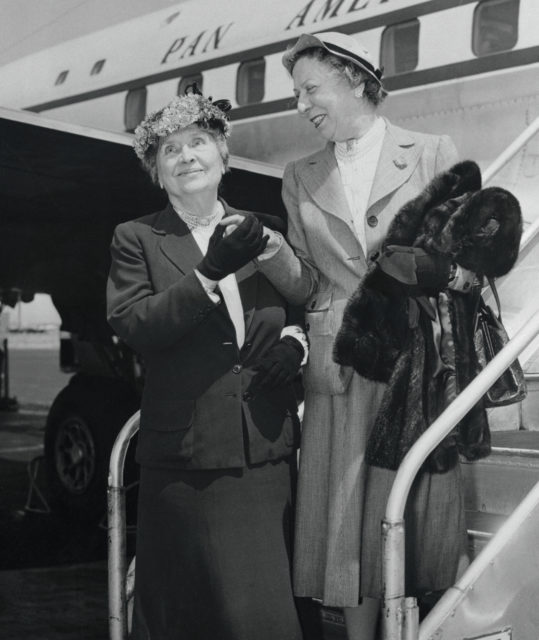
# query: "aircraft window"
61,77
135,108
185,82
250,81
400,46
495,26
98,66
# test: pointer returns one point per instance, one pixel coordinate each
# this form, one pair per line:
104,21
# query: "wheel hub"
75,454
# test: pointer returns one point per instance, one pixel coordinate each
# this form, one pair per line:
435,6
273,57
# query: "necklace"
193,221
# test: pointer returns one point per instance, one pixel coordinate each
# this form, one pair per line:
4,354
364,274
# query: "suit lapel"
180,248
322,180
398,159
177,243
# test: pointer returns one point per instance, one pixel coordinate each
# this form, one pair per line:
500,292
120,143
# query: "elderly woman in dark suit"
219,427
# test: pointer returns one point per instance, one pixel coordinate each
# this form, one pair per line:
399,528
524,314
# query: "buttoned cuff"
295,331
461,279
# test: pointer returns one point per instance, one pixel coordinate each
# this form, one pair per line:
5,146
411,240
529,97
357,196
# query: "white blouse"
357,160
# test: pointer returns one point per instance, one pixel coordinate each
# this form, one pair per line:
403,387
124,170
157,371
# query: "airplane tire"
82,425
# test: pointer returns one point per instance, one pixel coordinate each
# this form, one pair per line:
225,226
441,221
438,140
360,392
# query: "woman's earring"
358,91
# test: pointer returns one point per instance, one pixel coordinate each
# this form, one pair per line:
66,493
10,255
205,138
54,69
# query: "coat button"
236,368
372,221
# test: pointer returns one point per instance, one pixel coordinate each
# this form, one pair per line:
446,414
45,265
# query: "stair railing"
116,530
446,606
400,620
510,151
503,159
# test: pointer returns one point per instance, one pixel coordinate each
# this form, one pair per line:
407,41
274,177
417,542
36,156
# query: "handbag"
490,337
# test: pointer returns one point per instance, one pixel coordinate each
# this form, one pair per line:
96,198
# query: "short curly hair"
374,90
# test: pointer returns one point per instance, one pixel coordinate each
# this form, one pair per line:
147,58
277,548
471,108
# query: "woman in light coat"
340,202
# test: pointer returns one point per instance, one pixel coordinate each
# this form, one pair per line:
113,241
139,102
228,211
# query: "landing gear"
74,454
82,425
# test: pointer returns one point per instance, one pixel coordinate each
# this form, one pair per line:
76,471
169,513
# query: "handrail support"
117,531
392,535
393,571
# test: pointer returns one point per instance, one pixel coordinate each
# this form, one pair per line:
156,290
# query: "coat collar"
320,173
177,243
398,158
320,176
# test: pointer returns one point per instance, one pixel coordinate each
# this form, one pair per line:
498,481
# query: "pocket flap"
321,301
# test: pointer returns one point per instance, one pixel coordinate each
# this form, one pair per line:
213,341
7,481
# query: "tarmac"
53,570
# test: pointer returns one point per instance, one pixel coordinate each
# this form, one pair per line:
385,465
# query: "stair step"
498,483
481,527
521,442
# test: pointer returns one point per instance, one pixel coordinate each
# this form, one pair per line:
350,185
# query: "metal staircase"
495,485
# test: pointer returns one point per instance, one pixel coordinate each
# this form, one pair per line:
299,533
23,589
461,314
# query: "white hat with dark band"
340,45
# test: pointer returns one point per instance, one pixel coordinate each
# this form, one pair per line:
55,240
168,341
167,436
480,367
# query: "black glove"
275,223
410,271
279,366
227,254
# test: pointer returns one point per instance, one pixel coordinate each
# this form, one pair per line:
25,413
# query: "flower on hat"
181,112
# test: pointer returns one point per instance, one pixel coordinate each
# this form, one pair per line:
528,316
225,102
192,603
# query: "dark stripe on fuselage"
454,71
391,17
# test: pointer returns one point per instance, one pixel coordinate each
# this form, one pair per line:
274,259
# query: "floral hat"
181,112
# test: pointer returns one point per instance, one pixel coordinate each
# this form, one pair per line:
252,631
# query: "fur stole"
387,329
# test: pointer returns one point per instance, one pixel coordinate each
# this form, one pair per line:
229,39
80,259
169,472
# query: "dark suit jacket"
192,414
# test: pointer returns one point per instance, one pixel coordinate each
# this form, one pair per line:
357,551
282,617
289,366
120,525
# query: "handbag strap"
492,286
480,303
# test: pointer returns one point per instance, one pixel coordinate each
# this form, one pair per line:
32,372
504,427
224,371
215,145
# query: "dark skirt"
213,554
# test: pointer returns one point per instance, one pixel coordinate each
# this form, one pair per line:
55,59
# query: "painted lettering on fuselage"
189,45
317,10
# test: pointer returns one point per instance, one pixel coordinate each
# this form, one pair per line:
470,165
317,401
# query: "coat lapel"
177,244
398,159
323,183
180,248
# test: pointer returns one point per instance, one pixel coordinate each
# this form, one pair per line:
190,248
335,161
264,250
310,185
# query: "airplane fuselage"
467,68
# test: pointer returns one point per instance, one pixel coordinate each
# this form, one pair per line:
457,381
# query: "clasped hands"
236,241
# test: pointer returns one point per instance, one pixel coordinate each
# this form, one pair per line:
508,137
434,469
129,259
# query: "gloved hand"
279,366
410,271
275,223
227,254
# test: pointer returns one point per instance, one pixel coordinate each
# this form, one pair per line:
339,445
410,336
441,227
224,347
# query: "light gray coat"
321,268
